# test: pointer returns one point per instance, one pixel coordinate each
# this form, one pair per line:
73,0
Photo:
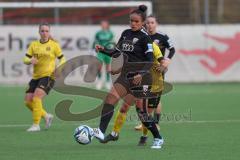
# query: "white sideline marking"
127,123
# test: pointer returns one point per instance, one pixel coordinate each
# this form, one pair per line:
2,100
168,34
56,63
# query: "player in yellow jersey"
42,55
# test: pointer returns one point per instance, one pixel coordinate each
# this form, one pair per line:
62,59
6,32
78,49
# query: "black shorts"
153,102
45,83
137,91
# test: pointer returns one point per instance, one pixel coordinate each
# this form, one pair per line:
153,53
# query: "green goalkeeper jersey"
103,37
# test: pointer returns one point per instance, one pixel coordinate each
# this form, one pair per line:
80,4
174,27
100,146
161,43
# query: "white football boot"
157,143
48,120
138,127
98,134
34,128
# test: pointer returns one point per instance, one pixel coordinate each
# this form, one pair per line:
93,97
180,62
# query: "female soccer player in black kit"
137,45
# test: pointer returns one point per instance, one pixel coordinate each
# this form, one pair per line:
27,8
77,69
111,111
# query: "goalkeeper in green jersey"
104,37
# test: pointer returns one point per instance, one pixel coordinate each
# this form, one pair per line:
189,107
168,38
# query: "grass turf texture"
201,121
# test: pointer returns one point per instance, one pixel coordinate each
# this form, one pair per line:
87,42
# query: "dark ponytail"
141,11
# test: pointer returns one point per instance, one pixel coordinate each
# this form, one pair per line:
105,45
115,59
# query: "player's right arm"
112,52
96,40
29,59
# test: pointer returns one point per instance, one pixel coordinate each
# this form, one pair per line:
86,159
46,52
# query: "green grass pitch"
201,121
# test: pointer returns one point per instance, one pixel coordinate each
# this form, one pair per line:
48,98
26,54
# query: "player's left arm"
59,55
159,56
169,45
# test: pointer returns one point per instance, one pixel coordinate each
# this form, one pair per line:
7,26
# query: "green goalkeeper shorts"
104,58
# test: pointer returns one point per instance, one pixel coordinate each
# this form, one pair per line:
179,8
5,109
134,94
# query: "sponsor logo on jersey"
127,46
135,40
48,48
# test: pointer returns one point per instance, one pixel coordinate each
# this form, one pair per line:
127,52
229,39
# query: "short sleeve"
58,50
168,42
30,49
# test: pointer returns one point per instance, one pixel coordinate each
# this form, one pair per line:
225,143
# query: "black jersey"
163,41
137,45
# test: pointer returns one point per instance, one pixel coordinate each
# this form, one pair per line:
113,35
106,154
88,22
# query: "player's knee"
39,93
139,104
124,108
111,99
108,69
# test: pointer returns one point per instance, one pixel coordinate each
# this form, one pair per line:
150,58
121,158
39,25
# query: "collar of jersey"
44,42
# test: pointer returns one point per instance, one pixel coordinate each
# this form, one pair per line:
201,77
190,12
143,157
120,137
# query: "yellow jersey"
46,54
157,78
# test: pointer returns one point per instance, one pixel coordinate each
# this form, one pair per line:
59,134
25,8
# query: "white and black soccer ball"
83,134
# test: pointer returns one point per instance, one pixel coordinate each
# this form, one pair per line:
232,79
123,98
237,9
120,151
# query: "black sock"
149,123
157,117
151,126
107,113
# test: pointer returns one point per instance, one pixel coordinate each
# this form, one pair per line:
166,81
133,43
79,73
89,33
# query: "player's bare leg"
99,84
108,84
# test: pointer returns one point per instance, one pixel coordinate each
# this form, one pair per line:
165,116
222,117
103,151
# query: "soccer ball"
83,134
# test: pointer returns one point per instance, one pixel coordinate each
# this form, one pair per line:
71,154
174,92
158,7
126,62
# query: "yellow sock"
119,121
38,110
30,107
44,113
144,130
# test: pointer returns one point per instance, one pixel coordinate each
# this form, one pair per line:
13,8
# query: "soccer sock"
37,110
157,117
144,131
29,105
44,113
108,77
149,123
99,74
119,121
107,113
